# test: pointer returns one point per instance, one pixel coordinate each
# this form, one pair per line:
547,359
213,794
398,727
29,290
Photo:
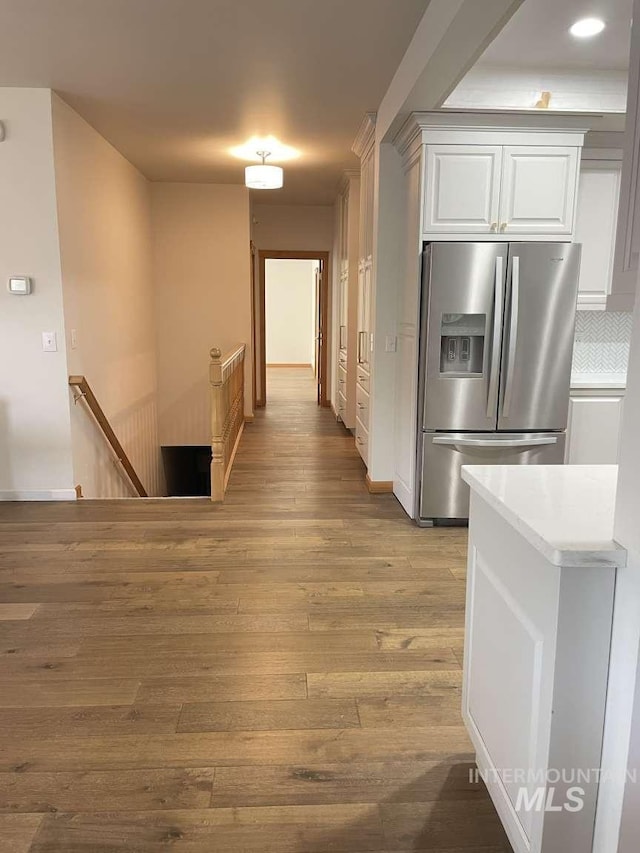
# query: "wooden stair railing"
226,376
89,397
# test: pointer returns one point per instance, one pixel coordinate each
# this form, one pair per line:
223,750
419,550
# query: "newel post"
217,425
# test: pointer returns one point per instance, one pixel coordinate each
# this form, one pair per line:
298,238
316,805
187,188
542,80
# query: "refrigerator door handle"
513,334
477,441
494,376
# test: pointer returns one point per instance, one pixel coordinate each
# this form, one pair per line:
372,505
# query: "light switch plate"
49,342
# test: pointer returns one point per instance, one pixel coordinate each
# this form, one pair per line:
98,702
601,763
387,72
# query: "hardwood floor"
278,674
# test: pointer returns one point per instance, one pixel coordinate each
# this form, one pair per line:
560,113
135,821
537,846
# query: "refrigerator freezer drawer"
444,495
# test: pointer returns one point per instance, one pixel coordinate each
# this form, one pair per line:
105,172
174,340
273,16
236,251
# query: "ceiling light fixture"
587,27
264,177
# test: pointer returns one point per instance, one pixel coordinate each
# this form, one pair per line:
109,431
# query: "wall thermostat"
20,285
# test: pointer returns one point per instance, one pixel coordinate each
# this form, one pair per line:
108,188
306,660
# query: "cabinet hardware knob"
494,226
503,227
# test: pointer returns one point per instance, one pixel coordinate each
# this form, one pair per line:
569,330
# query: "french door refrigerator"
496,343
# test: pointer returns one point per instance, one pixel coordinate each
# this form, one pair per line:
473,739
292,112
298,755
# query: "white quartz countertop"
565,511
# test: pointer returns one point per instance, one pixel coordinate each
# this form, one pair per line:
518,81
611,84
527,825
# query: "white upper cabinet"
485,181
538,190
500,192
596,219
491,189
463,188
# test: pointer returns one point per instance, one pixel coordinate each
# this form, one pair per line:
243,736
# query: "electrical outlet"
49,342
74,338
390,343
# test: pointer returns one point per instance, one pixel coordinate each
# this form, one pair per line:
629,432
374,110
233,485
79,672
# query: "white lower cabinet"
594,428
362,406
362,441
362,413
535,683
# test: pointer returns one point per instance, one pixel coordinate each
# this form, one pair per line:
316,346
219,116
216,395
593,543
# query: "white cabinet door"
344,306
462,189
369,201
596,219
362,441
594,430
364,313
538,191
367,181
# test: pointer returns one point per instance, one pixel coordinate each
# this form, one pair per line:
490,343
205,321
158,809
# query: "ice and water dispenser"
462,343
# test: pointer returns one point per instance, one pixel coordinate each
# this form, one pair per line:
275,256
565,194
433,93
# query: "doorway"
292,317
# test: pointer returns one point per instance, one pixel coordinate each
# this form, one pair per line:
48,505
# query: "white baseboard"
39,495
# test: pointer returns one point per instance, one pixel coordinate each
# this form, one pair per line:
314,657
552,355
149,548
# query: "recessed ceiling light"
587,27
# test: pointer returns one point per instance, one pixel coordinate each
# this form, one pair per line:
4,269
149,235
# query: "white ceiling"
173,84
538,36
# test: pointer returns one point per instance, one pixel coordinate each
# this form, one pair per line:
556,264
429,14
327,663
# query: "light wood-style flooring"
279,674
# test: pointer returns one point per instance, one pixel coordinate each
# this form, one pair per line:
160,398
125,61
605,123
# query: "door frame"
260,321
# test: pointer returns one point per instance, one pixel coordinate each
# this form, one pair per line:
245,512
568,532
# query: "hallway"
278,674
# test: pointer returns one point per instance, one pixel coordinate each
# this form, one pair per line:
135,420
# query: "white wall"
495,87
104,213
290,311
299,228
35,432
201,255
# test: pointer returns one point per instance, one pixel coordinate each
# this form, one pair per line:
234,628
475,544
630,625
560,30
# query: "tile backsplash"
602,343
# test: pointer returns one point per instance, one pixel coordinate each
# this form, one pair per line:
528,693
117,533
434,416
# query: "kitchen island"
540,592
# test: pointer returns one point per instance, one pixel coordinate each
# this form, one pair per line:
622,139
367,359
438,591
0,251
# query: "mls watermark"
549,790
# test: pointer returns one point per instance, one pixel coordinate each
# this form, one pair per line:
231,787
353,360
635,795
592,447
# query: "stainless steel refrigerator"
496,343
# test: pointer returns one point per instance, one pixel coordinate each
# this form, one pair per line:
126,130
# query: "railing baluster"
226,376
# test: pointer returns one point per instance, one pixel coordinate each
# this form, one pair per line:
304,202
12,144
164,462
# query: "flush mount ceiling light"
264,177
587,27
